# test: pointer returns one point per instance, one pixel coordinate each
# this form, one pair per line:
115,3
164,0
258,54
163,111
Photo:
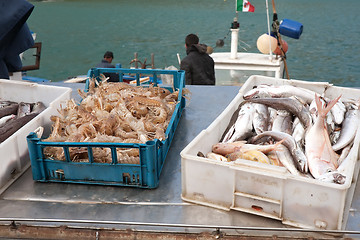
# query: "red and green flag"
244,6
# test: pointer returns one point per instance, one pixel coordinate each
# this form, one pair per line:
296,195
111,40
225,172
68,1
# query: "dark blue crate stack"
152,153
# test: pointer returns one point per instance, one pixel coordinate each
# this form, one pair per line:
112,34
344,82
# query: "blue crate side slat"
121,77
114,155
170,132
149,152
34,153
90,155
137,79
155,79
89,74
67,154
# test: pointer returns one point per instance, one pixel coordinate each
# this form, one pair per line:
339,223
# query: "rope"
275,27
222,39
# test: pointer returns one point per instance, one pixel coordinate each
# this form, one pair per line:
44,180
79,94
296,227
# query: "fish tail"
279,143
323,111
229,134
273,148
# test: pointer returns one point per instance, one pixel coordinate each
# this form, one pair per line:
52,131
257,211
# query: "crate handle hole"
257,208
126,177
60,174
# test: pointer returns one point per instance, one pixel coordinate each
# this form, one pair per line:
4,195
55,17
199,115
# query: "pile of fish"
308,134
14,115
112,112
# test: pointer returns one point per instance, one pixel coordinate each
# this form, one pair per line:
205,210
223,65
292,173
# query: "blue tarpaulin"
15,36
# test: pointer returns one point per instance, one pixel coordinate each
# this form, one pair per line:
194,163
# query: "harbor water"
76,33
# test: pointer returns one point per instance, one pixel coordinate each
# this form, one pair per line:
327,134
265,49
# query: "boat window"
31,58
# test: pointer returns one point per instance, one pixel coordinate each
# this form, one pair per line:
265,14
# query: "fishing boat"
233,68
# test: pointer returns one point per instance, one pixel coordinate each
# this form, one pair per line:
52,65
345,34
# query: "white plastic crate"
14,150
267,190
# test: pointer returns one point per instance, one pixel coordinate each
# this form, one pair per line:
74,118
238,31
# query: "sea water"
76,33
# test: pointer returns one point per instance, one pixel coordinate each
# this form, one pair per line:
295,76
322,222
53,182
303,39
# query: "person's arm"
186,67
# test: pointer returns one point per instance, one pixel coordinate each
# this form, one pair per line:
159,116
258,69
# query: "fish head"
301,161
333,177
259,92
251,93
38,107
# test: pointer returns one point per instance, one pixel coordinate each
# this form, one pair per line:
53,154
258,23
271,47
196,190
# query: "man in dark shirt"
106,63
198,65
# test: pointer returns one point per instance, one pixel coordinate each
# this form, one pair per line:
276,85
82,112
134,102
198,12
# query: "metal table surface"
162,209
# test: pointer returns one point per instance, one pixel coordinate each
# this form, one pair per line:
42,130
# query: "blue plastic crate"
146,174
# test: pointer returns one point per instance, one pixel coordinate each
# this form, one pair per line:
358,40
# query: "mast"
234,38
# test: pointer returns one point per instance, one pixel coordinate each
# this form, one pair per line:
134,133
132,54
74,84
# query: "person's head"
108,56
191,39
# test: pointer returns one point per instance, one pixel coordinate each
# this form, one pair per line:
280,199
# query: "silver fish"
298,132
282,122
335,115
344,153
272,115
13,125
217,157
334,135
6,103
297,153
24,109
283,91
348,130
330,121
284,156
338,111
261,118
313,110
351,104
289,104
232,121
38,107
242,128
350,156
8,108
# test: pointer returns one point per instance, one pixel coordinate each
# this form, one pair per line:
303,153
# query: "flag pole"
268,21
276,28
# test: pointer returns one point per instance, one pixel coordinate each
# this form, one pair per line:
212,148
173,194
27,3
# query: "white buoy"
263,43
